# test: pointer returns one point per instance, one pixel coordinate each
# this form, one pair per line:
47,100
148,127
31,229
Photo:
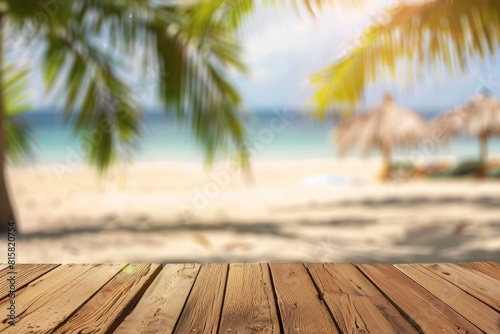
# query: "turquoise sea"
272,134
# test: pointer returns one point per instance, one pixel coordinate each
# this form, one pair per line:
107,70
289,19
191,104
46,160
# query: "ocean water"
272,135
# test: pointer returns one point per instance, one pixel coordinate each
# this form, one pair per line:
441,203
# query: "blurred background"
252,131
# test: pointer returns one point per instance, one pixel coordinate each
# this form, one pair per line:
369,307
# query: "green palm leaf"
18,134
189,47
420,36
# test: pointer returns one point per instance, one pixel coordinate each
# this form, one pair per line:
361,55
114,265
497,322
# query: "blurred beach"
298,202
291,210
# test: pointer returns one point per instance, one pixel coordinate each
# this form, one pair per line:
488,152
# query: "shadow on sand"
486,202
439,242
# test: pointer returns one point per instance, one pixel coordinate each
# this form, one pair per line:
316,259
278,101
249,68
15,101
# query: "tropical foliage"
416,36
188,46
18,135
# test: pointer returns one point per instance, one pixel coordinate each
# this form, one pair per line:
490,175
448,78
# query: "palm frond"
196,83
19,141
94,95
16,90
189,47
19,136
314,7
417,36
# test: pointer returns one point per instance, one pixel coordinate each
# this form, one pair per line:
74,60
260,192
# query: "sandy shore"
179,212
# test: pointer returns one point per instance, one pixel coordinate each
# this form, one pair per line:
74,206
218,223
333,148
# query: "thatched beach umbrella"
480,118
387,127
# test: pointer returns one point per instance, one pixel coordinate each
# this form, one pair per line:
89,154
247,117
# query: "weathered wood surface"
489,268
161,305
107,309
253,298
52,298
301,309
250,283
24,274
469,307
354,302
203,308
428,313
476,283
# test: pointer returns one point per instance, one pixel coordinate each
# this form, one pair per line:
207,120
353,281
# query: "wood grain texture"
427,313
162,303
107,309
52,298
489,268
355,303
469,307
255,298
203,308
249,305
24,274
2,267
476,283
300,307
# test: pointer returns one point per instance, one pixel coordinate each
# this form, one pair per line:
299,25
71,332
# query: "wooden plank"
249,305
423,309
25,273
162,303
53,297
489,268
300,308
355,303
476,283
469,307
203,308
107,309
3,266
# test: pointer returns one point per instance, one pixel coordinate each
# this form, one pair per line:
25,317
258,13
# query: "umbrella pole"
483,142
386,169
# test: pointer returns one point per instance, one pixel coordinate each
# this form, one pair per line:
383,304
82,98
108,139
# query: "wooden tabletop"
253,298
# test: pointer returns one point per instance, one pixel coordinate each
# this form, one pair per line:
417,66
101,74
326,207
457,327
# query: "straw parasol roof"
387,127
479,117
448,125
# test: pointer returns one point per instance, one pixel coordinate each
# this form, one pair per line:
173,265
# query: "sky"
283,48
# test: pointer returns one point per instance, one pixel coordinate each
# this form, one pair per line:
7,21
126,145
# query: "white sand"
178,212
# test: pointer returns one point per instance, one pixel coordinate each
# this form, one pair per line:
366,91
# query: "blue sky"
283,48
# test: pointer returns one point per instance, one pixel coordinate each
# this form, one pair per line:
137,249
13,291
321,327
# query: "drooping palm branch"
19,136
188,57
417,37
188,47
190,44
